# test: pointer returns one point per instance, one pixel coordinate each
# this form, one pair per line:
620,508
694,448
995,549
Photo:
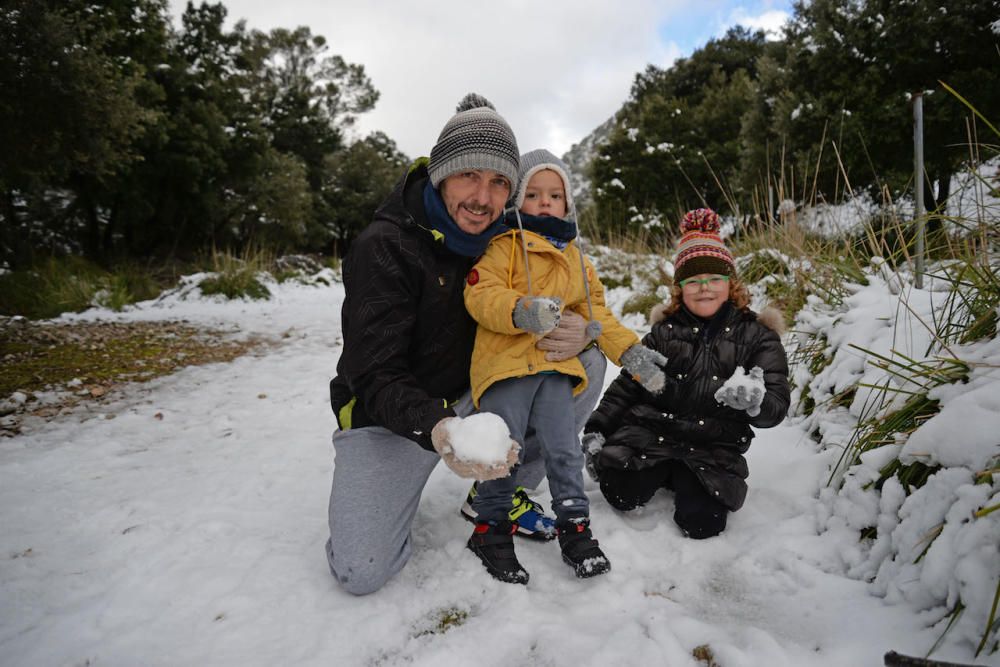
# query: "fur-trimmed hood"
770,317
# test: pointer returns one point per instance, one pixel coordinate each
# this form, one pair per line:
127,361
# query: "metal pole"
918,184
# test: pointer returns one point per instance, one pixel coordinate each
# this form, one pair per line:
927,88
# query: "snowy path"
196,537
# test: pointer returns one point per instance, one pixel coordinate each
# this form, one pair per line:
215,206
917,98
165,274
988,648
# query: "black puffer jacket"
685,422
407,336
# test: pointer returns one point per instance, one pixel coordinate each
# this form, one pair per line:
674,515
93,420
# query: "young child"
516,293
691,437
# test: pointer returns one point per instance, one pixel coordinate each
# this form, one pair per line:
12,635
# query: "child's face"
545,195
705,293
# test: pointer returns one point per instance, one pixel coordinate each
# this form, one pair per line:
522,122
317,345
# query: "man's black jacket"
407,336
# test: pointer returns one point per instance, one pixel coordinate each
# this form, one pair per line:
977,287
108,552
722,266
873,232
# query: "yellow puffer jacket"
492,289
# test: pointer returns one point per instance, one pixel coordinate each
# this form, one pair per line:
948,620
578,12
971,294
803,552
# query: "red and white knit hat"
701,249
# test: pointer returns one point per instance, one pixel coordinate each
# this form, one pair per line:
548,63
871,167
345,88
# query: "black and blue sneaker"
527,515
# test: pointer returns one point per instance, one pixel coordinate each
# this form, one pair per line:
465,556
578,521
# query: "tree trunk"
942,177
10,237
91,239
107,239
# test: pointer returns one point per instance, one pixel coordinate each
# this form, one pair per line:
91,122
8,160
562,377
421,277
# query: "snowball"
480,438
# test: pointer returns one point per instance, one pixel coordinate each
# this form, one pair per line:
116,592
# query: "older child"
691,437
516,293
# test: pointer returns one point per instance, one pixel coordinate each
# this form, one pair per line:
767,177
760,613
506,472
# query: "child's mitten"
537,314
592,443
646,367
743,392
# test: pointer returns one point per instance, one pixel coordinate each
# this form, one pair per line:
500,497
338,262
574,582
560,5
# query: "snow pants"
696,512
378,479
542,402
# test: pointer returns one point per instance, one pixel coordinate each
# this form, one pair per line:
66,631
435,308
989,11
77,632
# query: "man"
408,340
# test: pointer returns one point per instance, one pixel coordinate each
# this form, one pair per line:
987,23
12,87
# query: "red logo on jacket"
473,277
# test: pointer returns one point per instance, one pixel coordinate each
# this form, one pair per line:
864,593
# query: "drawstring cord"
524,245
583,267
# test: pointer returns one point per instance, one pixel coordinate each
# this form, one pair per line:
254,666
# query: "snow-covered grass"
915,421
184,524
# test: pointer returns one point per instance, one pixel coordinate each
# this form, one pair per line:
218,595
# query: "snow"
480,438
184,522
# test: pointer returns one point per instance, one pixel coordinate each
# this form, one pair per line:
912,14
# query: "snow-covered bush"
903,382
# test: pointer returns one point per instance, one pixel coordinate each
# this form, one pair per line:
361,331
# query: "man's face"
475,198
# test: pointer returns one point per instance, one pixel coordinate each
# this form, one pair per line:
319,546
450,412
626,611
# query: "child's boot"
580,549
493,542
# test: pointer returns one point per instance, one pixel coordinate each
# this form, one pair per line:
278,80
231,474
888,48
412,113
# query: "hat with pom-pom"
701,249
476,137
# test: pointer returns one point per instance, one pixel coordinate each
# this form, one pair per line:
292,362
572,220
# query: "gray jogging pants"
378,478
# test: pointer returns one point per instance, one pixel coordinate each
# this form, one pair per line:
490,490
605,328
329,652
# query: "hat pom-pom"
594,330
700,220
473,101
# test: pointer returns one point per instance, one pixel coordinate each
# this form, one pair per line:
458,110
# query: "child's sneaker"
494,544
526,514
580,549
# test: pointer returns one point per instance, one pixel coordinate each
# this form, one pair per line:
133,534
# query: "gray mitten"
743,392
537,314
592,443
646,367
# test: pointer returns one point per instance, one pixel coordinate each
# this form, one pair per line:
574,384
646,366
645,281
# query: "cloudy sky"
554,70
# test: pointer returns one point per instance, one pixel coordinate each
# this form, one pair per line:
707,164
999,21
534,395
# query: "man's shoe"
580,549
527,515
494,544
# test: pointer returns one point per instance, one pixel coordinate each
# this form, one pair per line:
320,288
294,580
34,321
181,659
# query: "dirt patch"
49,369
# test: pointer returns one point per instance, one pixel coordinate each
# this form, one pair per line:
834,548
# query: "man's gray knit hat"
534,162
476,137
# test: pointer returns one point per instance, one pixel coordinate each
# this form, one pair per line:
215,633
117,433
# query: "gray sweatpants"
378,478
540,401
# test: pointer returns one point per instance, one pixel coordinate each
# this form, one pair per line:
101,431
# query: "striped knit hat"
701,249
476,137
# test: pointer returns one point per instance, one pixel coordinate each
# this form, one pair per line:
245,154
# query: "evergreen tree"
871,57
74,105
358,179
676,144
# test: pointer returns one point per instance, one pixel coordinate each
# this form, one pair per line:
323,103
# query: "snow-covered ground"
184,523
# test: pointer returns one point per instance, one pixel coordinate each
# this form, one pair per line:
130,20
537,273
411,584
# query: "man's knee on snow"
363,576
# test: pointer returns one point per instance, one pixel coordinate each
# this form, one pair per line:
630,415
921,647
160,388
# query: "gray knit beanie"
476,137
532,163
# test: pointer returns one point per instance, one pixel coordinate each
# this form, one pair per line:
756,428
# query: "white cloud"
554,70
770,21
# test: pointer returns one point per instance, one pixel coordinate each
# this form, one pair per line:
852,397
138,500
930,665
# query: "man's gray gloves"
470,469
743,391
592,443
646,367
537,314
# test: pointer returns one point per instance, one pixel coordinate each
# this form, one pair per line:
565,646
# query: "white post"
918,184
